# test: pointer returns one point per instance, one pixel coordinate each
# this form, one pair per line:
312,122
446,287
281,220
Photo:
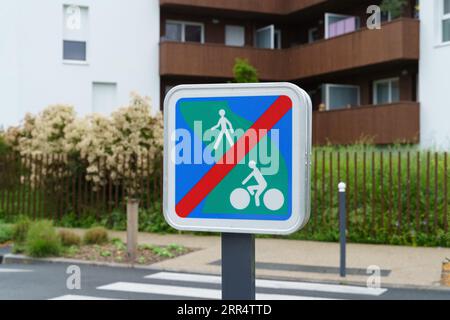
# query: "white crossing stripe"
190,292
78,297
14,270
272,284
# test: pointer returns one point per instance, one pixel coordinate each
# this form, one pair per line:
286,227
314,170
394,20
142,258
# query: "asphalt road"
49,281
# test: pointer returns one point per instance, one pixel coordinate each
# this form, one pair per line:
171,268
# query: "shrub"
42,240
97,235
20,230
69,238
244,72
395,7
6,232
4,147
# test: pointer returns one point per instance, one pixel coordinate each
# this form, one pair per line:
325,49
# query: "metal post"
342,227
238,266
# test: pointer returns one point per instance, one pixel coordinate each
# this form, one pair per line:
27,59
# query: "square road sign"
237,158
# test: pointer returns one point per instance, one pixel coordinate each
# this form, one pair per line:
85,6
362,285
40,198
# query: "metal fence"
43,192
391,192
387,192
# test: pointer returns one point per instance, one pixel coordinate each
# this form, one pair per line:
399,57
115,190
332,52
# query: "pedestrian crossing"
7,270
271,284
173,285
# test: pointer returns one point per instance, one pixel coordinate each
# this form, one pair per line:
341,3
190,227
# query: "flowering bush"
40,140
122,148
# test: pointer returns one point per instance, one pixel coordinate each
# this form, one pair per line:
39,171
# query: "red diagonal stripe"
218,172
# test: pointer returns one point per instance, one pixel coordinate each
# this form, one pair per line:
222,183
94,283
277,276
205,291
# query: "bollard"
342,228
132,228
445,278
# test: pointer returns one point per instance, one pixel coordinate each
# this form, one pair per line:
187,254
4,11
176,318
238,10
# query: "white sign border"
301,155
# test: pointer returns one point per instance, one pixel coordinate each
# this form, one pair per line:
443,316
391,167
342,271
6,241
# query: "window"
386,16
173,31
184,31
446,21
265,37
75,33
338,96
104,97
386,91
235,36
268,38
313,35
74,50
277,39
338,24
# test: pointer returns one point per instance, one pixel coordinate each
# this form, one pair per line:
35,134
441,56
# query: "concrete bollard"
445,279
132,228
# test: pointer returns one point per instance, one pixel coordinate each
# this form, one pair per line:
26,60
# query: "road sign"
237,158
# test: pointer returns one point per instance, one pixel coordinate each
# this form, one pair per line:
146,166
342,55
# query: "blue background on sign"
250,108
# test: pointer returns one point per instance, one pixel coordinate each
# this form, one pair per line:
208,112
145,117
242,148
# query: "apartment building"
90,54
434,69
363,83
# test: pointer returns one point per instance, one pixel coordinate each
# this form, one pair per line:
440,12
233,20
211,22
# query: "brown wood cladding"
386,124
280,7
395,41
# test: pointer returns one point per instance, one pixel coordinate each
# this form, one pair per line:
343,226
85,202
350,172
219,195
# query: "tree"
244,72
395,7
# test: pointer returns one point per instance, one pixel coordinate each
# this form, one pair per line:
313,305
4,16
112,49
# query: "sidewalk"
308,260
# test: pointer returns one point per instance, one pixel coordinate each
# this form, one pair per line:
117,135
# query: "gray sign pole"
238,266
342,228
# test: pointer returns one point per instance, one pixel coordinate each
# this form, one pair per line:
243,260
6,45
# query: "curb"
21,259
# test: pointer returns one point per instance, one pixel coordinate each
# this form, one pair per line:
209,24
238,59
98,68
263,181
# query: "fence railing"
388,193
30,186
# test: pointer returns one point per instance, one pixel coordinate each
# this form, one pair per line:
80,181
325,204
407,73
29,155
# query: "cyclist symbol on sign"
273,198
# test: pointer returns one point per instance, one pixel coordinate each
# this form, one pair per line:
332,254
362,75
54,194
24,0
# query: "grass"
42,240
69,238
96,235
6,233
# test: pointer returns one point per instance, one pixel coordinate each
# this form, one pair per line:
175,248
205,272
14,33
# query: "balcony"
384,124
255,6
395,41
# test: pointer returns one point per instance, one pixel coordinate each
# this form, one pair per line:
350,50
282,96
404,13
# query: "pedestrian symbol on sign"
224,124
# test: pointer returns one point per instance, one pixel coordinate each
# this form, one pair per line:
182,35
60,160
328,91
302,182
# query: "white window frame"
443,17
279,42
272,37
389,16
327,21
327,87
310,34
234,26
190,23
383,81
86,41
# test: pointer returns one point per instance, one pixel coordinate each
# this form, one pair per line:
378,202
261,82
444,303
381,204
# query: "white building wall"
123,48
434,75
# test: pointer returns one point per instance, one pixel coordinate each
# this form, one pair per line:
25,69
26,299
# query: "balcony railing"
395,41
256,6
382,124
